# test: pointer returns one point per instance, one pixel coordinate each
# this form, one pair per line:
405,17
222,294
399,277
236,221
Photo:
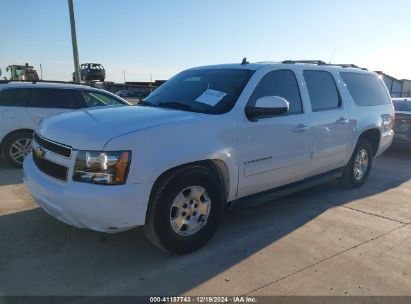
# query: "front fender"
159,149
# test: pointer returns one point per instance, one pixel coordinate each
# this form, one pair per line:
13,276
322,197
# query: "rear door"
50,101
330,122
13,106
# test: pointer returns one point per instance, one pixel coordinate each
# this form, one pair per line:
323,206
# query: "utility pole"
74,42
41,72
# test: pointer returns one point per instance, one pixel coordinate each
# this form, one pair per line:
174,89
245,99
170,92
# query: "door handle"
301,128
342,121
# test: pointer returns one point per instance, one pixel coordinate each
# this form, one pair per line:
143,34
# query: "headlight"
108,168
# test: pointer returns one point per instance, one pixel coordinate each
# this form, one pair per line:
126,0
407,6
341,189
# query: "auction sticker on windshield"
211,97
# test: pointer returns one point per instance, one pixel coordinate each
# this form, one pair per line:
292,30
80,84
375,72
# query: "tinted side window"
280,83
97,99
366,89
15,97
322,90
402,105
55,98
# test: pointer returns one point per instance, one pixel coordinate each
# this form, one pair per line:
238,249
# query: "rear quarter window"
366,89
15,97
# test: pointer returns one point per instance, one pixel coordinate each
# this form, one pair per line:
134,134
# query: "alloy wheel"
19,149
190,210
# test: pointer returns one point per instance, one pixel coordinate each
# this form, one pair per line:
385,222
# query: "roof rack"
320,62
44,81
347,65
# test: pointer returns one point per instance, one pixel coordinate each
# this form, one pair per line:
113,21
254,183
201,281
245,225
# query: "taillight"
406,121
393,120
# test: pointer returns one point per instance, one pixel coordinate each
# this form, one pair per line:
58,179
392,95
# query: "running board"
269,195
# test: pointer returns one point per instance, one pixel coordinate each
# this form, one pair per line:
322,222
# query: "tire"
180,186
16,147
352,178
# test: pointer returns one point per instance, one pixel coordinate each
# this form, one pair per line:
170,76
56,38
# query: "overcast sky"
164,37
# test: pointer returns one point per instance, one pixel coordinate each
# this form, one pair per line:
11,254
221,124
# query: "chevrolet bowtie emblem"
39,152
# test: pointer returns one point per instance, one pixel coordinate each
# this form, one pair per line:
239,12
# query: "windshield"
213,91
97,99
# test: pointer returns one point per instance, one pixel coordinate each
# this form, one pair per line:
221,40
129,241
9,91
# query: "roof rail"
44,81
319,62
347,65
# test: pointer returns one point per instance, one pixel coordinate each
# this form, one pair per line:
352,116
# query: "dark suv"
92,71
402,136
24,104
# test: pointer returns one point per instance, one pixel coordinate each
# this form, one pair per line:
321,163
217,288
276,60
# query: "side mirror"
267,106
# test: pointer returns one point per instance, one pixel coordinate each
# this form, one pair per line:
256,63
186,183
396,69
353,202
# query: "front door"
274,151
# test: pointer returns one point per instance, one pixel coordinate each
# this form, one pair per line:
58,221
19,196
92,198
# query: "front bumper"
98,207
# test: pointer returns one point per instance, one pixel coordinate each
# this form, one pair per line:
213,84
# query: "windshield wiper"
146,103
175,105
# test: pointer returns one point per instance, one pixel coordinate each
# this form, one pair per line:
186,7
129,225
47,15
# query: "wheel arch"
373,136
217,166
14,132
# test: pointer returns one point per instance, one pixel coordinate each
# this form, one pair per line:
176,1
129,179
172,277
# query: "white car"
24,104
209,137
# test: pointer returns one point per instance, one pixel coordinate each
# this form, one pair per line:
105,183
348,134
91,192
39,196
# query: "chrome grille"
53,146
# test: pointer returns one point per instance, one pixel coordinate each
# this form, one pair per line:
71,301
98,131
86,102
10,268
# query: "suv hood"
93,128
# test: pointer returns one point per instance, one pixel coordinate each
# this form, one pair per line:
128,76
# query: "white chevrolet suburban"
209,137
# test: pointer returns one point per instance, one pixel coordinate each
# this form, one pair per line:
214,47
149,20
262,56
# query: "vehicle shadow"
10,176
41,256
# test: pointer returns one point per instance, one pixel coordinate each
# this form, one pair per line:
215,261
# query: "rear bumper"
97,207
385,141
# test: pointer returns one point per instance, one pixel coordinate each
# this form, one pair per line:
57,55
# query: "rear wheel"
16,147
357,170
184,210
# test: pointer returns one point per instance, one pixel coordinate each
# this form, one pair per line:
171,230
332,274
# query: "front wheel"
358,168
184,210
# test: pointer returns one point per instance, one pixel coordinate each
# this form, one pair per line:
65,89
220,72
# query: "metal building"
396,87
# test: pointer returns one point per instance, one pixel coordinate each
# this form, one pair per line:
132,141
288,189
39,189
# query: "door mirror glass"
267,106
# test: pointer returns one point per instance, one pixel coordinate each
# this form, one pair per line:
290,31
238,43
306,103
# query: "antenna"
244,61
332,55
